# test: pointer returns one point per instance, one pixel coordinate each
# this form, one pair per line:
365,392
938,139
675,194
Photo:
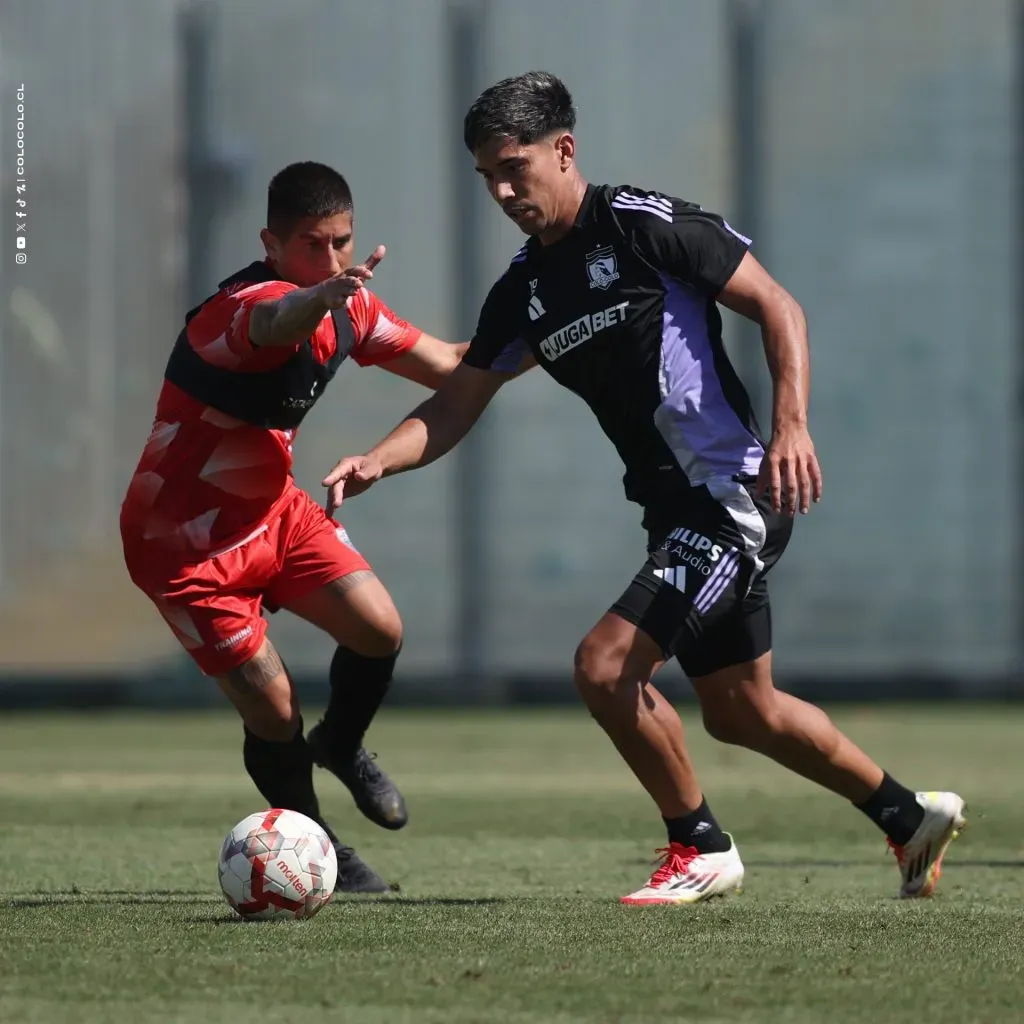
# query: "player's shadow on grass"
166,897
127,897
226,917
349,904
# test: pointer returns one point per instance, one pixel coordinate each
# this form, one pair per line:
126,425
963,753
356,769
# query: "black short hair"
305,189
526,108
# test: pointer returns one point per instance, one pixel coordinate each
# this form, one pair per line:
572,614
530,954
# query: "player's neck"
563,224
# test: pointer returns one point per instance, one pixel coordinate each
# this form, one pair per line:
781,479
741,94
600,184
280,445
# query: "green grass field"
524,830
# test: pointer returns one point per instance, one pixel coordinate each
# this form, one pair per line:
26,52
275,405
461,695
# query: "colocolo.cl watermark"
20,180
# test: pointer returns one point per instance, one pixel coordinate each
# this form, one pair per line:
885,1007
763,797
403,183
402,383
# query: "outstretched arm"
428,432
438,424
497,354
292,318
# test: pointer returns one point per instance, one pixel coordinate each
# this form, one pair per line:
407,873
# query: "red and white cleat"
686,876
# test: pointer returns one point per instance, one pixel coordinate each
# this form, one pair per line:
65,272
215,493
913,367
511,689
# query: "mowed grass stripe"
525,830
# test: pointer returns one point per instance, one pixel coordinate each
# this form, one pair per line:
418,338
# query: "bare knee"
613,663
379,637
368,621
599,671
262,692
272,717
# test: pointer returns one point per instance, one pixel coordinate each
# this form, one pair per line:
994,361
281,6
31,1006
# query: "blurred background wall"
871,148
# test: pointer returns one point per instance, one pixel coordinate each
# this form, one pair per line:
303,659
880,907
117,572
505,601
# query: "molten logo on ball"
292,877
277,864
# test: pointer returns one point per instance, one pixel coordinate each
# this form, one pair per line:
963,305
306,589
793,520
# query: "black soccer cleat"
374,793
354,875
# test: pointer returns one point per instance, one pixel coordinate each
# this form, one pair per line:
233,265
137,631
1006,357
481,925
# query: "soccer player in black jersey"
615,294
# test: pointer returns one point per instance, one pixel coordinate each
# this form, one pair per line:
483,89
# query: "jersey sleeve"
380,335
220,331
498,343
692,245
243,303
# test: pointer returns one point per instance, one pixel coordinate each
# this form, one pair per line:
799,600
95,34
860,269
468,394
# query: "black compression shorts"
702,594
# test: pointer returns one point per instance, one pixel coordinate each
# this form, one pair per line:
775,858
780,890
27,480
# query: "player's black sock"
894,809
699,830
283,772
358,687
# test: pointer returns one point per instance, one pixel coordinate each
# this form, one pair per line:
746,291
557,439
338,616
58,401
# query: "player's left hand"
790,474
351,476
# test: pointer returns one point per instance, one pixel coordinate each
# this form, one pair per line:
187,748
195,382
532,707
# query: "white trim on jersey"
743,238
520,256
635,197
643,204
250,288
384,331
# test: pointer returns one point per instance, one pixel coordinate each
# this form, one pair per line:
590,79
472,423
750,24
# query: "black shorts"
702,594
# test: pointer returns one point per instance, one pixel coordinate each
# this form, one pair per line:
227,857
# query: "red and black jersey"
209,475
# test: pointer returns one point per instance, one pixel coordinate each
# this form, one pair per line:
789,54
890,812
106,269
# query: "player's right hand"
353,475
337,290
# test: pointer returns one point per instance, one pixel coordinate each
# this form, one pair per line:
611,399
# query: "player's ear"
271,243
565,145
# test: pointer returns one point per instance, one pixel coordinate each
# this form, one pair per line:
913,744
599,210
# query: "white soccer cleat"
920,860
686,876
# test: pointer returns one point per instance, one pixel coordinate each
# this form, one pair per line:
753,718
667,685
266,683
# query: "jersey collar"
585,205
536,247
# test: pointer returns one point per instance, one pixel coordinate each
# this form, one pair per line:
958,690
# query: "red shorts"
215,607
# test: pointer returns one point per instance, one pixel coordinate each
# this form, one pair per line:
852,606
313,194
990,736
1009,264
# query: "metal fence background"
888,191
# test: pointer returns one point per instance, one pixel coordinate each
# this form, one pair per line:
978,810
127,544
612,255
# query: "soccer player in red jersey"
214,527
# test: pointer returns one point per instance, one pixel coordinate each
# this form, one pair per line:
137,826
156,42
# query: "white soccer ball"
277,864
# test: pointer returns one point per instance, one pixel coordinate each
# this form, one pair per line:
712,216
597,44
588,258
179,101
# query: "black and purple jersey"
622,312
